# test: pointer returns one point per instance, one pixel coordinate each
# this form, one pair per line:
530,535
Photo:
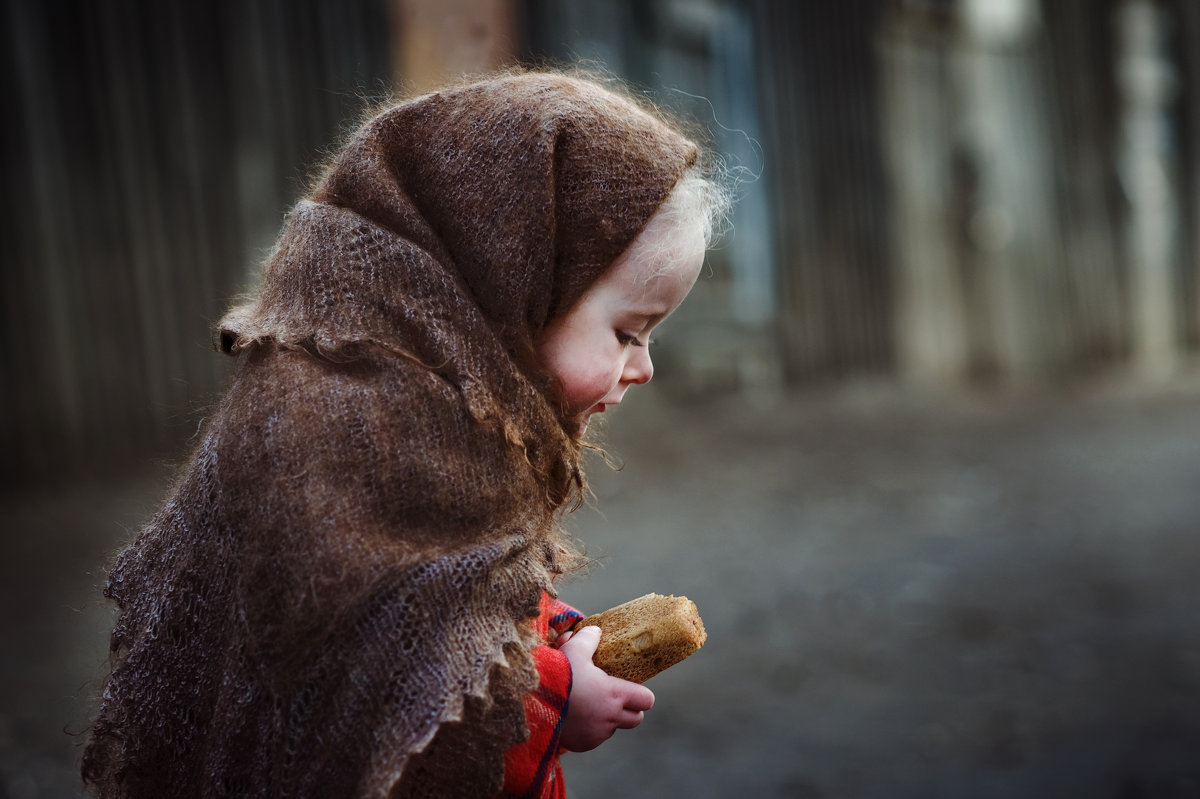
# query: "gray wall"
153,148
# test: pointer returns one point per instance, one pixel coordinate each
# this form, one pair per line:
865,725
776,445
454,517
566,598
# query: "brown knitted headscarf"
334,600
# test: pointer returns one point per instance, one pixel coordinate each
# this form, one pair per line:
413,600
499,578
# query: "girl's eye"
628,339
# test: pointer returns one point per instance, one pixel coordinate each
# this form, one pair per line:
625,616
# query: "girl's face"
599,347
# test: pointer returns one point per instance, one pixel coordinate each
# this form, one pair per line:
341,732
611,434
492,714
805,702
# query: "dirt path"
907,600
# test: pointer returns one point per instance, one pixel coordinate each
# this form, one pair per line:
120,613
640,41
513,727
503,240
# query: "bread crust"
646,635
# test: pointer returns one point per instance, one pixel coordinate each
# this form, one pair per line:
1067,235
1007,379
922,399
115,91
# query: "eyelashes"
628,339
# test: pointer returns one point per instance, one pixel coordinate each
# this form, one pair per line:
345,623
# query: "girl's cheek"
600,383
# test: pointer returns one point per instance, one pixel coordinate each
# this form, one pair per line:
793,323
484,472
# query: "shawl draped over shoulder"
334,599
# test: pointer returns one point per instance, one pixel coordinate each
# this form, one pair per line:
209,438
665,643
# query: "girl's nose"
639,368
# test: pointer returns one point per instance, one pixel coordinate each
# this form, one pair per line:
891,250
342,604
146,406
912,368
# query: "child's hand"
599,704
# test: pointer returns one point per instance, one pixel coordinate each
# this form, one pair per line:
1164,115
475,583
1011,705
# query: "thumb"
584,641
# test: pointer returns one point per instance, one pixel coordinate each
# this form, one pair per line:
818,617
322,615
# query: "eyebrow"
652,316
652,309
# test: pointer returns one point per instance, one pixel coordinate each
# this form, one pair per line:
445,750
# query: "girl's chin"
586,417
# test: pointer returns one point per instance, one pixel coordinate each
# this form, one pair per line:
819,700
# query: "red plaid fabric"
532,769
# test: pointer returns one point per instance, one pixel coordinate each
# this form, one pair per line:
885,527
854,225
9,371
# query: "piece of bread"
646,635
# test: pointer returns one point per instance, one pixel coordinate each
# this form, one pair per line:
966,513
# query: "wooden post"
968,152
1147,84
439,40
930,323
1006,220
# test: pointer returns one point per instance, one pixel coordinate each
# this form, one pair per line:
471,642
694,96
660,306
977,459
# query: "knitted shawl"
335,598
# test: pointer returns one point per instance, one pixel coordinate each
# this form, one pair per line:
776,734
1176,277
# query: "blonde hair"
697,199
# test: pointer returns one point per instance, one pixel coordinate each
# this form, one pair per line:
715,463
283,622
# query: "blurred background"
922,442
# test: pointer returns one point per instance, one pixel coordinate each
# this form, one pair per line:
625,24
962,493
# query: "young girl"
349,591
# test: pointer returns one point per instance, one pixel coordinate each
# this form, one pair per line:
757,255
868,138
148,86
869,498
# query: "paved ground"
904,598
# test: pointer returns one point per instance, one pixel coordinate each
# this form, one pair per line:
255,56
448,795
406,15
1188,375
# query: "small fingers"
639,698
629,719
